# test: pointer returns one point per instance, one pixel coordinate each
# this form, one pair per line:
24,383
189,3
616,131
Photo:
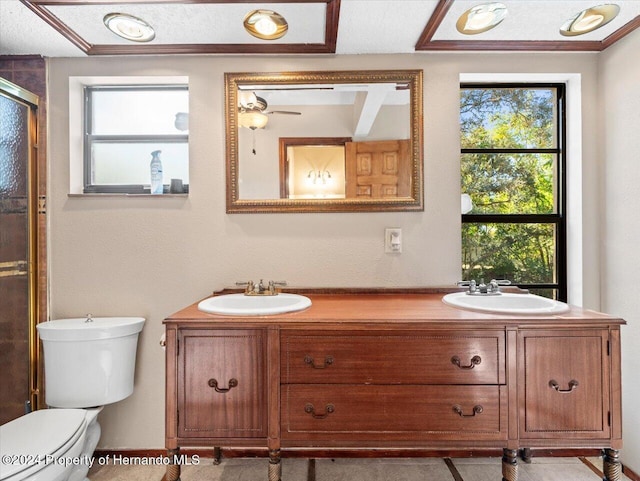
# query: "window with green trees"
513,185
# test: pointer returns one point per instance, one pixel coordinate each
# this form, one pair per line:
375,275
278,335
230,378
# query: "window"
513,182
123,125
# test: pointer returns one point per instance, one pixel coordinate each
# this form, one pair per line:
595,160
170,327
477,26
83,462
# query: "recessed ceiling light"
129,27
481,18
590,19
265,24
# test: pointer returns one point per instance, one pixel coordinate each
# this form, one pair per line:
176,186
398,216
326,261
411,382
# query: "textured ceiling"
195,23
65,28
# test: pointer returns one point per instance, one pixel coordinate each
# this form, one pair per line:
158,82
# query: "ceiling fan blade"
286,112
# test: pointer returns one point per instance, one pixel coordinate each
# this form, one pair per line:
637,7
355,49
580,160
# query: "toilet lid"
34,436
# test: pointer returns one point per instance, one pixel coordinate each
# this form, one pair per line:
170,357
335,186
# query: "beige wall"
152,256
619,166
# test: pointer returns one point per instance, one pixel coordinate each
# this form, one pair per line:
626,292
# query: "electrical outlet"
393,240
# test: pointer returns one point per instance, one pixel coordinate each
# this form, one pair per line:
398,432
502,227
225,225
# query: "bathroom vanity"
362,372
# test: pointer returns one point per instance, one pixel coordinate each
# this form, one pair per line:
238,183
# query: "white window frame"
573,82
76,120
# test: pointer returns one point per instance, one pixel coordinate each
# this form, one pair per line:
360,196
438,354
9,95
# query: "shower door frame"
31,101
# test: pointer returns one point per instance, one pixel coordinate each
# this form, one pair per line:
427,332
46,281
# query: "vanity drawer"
383,357
336,411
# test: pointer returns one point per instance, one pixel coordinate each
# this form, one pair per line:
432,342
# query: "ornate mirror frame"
414,202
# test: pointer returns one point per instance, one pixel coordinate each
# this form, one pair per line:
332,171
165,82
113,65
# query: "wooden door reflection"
378,169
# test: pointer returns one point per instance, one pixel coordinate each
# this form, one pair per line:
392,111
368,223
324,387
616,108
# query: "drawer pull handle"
477,409
572,385
327,362
214,384
475,360
328,409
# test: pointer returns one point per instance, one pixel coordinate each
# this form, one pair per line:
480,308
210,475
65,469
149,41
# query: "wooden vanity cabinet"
221,383
406,372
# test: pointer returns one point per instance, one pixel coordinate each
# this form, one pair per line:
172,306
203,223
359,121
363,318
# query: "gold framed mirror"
376,115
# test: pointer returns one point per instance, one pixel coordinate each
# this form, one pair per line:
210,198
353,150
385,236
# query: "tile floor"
411,469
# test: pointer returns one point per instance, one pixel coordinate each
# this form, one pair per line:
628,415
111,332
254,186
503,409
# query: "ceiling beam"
367,106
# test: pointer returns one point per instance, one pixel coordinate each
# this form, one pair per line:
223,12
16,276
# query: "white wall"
619,165
150,257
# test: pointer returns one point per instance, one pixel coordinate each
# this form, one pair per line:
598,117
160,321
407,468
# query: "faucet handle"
273,284
494,285
249,286
472,285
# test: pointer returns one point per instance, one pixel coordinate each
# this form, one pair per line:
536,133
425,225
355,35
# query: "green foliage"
509,182
522,253
516,118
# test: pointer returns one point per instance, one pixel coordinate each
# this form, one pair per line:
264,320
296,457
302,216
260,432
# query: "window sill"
123,194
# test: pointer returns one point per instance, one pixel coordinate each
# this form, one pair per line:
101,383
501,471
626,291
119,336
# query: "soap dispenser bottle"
156,172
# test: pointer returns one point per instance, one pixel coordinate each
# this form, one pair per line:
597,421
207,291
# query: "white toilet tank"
89,361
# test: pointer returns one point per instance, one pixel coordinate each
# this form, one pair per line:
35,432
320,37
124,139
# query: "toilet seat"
39,438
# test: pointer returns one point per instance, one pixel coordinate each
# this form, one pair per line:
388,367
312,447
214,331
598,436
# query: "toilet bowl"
89,362
49,445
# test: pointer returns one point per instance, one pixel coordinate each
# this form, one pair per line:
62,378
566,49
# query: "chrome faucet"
482,289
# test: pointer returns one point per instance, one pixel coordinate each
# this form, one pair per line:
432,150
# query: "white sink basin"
506,303
241,305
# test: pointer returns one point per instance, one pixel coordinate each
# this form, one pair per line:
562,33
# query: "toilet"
89,362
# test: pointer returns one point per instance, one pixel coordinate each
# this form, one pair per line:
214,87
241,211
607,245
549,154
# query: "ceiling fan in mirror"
252,112
253,107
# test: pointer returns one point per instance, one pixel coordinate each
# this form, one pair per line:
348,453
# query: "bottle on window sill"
156,172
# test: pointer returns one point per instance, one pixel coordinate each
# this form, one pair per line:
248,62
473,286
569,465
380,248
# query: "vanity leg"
525,455
611,465
217,456
509,465
173,468
275,468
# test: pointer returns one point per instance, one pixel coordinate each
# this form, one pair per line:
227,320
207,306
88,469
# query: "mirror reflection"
324,141
312,168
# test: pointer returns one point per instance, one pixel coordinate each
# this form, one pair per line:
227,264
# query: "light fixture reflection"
252,120
265,24
466,203
182,121
481,18
319,177
129,27
589,20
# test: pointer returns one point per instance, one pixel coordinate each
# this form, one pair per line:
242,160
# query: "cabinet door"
564,383
221,383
